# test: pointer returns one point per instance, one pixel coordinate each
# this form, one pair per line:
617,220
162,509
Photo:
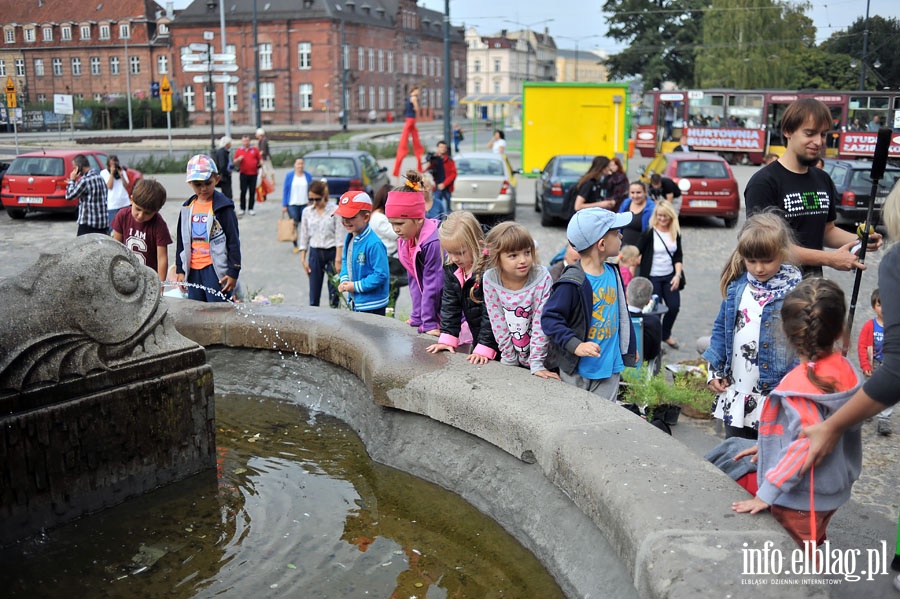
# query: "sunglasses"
206,183
316,198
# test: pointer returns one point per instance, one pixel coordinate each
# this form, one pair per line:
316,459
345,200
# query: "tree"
883,46
661,35
754,44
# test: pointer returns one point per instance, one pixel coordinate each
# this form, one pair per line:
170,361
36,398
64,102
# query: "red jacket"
449,173
865,341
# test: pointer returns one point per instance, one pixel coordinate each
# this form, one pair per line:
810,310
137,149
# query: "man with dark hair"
805,195
443,169
88,187
663,188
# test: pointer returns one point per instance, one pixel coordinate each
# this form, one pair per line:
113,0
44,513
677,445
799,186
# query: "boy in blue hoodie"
208,247
365,273
586,316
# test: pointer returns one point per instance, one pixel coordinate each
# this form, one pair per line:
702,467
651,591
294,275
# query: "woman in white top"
498,142
661,262
116,177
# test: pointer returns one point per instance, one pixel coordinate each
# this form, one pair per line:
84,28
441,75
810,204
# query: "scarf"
777,286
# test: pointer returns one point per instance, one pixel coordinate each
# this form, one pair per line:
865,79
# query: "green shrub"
155,164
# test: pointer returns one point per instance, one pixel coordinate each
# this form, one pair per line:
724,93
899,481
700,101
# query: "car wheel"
537,203
730,223
546,219
15,213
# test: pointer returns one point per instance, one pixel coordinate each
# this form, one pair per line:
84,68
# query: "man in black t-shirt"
805,195
663,188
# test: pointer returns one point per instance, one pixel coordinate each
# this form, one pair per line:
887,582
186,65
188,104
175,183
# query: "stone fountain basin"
596,493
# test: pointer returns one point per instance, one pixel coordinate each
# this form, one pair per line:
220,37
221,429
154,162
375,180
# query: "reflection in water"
296,509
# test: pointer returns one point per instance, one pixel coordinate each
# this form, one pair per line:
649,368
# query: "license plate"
471,206
31,200
703,204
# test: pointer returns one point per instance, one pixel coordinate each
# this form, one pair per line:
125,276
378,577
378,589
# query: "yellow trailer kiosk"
573,118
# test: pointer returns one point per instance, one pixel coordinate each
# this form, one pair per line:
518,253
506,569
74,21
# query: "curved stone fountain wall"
662,511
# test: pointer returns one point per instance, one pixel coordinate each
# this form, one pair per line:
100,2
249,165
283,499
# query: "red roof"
26,12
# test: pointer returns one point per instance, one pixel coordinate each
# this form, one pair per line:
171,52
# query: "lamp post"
256,65
211,6
448,107
128,78
527,27
577,40
344,65
862,62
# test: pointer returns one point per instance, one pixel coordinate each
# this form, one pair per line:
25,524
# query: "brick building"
390,45
94,51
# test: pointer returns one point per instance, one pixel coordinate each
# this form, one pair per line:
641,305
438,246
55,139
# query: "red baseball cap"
352,202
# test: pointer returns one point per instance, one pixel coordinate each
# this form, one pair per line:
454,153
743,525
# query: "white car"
485,185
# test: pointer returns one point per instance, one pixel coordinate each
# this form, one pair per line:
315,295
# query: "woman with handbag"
661,262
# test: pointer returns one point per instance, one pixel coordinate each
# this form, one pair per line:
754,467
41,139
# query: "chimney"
170,9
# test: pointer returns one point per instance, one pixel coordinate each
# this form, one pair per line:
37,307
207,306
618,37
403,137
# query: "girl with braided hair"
803,503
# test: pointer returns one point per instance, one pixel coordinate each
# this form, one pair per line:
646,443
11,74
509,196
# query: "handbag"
264,188
287,229
681,279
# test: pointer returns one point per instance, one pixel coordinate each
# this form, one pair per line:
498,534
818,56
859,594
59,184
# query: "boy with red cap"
365,273
419,251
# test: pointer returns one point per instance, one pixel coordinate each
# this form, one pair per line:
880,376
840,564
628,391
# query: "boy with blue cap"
208,246
586,317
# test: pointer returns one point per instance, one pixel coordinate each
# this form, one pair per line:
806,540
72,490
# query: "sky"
583,18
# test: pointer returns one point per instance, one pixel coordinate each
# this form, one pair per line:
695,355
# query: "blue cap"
587,226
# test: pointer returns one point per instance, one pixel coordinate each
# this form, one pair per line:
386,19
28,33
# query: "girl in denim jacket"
746,357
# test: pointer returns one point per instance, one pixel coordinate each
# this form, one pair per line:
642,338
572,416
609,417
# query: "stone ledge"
664,510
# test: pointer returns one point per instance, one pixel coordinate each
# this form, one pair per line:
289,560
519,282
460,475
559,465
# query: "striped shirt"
321,230
91,192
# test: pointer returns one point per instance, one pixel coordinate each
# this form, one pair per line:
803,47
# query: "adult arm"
286,191
584,191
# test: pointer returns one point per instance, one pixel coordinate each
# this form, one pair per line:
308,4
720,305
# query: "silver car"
485,185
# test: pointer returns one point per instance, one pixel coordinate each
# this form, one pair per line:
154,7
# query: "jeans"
295,212
321,263
208,279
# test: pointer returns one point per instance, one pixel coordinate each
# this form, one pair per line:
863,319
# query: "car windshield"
573,168
701,169
330,166
38,165
861,182
480,166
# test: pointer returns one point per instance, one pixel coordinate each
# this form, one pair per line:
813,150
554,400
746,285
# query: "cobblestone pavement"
272,267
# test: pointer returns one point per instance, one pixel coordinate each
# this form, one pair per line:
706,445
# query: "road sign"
216,78
195,68
11,100
225,68
224,57
199,47
209,35
200,57
62,104
165,94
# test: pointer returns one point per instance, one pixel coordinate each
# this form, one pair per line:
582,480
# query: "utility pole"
448,105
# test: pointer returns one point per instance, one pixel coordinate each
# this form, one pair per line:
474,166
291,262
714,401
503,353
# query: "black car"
346,170
853,181
560,173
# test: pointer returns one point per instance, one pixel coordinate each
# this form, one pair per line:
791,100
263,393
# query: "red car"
36,181
707,184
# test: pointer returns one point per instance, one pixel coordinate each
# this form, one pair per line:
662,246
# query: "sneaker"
242,213
296,250
897,582
251,212
884,427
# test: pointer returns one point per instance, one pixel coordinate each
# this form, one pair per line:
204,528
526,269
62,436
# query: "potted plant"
658,399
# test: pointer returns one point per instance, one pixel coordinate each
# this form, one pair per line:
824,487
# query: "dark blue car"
346,170
558,176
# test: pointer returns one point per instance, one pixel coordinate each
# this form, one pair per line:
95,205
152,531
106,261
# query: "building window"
20,67
231,49
412,64
362,97
57,67
209,97
113,65
390,98
425,66
76,66
371,96
496,65
476,87
29,35
135,62
456,68
48,34
405,62
306,99
390,61
162,64
380,97
476,66
346,56
38,67
440,98
124,31
104,32
380,60
2,68
65,33
187,94
85,32
98,97
496,87
232,97
95,65
265,57
10,35
41,98
360,58
437,67
79,97
267,96
304,55
372,59
163,29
